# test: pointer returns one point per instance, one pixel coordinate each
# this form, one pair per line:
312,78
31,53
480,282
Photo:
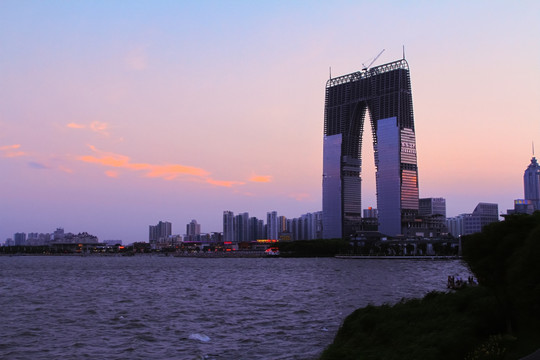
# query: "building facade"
385,92
272,225
531,183
159,233
228,226
466,224
193,230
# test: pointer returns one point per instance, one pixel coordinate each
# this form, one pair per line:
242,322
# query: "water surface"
150,307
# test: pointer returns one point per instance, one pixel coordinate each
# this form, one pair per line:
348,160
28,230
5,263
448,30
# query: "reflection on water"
184,308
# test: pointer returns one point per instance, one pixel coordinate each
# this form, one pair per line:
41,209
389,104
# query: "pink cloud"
95,126
261,178
170,172
224,183
9,151
166,172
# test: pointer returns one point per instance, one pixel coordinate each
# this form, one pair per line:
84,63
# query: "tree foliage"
504,258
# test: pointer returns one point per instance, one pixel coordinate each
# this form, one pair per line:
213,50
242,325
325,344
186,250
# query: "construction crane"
372,61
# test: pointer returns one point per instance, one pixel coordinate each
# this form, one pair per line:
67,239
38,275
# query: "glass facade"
332,186
531,183
385,92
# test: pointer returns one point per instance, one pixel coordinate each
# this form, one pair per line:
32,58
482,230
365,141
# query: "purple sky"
115,115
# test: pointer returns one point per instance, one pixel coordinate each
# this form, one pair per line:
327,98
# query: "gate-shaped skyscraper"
386,92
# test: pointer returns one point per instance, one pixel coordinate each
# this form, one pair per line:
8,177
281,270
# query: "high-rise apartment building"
160,232
531,182
193,230
241,227
228,226
20,239
272,225
384,91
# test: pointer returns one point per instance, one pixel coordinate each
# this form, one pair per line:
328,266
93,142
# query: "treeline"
313,248
498,319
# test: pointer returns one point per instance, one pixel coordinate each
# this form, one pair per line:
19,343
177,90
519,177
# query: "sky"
115,115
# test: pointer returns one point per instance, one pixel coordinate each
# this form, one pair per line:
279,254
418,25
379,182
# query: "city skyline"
114,117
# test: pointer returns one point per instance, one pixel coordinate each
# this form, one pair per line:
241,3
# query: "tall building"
228,226
241,227
20,239
160,232
531,182
384,91
193,230
272,225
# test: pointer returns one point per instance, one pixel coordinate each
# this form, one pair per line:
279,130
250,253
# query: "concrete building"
20,239
228,226
241,227
272,225
159,233
466,224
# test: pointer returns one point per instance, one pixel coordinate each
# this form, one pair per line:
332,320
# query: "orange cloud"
169,172
261,178
166,172
95,126
11,151
224,183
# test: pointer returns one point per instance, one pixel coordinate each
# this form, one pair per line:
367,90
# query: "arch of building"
384,91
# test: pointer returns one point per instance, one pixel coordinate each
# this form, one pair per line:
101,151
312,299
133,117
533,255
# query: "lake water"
150,307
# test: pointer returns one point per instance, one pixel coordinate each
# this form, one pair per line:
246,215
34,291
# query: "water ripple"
187,308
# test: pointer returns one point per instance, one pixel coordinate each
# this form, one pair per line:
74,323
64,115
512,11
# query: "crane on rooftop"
372,61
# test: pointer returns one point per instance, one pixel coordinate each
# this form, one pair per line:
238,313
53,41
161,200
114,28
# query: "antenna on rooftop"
403,52
533,148
330,69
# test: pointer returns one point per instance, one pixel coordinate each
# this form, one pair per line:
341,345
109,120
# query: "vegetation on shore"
313,248
496,320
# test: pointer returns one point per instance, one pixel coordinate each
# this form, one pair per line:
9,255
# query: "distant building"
58,234
193,229
432,206
531,182
20,239
228,226
466,224
159,233
521,206
272,225
370,213
241,227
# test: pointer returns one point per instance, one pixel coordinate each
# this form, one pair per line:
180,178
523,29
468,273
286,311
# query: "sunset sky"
115,115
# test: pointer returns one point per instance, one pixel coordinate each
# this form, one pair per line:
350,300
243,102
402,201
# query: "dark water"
188,308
